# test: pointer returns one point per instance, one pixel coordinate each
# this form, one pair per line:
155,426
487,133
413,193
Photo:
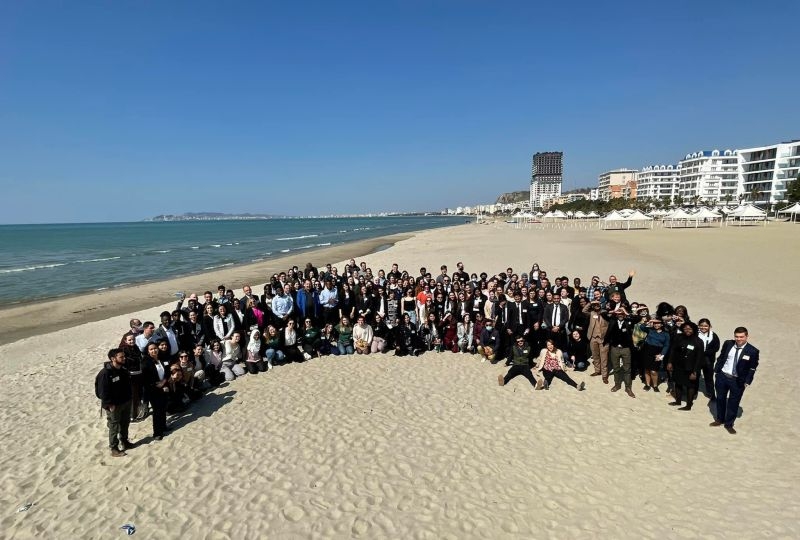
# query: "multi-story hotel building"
764,172
658,182
546,177
617,183
709,176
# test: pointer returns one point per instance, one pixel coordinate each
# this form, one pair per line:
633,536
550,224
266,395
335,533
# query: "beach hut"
747,214
613,220
679,218
793,211
580,214
638,220
558,214
707,216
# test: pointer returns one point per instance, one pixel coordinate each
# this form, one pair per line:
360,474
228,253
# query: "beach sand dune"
432,447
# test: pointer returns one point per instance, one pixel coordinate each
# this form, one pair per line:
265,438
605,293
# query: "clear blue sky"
124,110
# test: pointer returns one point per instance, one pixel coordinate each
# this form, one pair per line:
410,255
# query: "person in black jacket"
619,340
156,380
114,391
711,342
685,360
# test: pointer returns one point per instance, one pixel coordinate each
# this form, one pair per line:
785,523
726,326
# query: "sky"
119,111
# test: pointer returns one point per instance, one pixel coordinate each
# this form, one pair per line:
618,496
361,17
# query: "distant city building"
594,194
658,182
546,177
710,176
764,171
617,183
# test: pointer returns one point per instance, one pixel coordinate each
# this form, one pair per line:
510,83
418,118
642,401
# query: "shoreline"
20,321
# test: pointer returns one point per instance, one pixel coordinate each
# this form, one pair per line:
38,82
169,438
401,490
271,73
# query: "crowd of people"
535,325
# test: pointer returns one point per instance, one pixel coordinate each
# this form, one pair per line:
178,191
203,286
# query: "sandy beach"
428,447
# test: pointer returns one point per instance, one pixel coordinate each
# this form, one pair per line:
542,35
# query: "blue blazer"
748,361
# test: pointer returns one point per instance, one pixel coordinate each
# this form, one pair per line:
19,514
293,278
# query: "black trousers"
558,374
158,400
708,380
331,315
255,367
525,371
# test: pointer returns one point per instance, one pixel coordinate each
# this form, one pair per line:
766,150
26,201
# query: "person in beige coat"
596,332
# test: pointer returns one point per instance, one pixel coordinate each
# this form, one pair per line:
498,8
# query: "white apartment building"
765,170
710,177
658,182
617,183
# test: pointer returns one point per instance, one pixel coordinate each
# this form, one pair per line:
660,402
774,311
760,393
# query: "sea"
54,260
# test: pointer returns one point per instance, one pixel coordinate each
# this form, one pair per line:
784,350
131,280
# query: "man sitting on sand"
520,363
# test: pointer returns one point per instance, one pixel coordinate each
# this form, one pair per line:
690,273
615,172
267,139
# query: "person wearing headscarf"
255,359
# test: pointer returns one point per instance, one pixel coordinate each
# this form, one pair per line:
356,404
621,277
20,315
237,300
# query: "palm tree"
754,194
728,199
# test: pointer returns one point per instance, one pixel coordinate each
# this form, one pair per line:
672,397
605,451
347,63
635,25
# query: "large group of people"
535,324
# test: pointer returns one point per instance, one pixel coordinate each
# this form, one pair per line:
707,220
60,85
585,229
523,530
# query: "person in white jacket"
551,365
362,336
466,340
223,324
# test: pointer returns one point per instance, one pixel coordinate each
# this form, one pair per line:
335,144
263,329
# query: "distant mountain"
210,216
521,196
513,197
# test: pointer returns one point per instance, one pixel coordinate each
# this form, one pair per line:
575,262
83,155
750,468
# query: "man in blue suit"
735,368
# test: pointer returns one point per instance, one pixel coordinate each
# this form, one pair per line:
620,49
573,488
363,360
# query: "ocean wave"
298,237
162,251
101,289
216,245
325,244
285,250
99,260
120,284
217,266
28,268
195,247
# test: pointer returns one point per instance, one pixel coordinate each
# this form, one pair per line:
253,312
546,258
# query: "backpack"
97,382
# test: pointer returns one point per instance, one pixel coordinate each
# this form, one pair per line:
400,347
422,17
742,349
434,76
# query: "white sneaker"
306,356
269,365
483,360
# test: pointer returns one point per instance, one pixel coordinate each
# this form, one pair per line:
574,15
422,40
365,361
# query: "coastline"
20,321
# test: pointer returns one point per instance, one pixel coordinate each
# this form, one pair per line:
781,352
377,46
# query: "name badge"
746,357
524,311
624,329
596,316
115,379
690,347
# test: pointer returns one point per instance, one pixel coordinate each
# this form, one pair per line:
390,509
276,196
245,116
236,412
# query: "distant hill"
209,216
520,196
513,197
